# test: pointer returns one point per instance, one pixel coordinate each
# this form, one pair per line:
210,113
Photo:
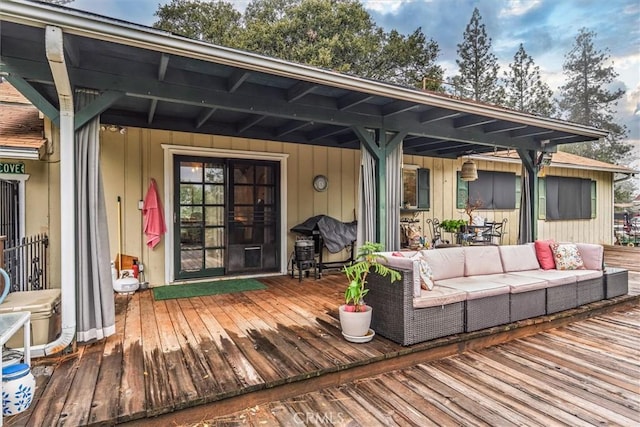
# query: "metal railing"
26,263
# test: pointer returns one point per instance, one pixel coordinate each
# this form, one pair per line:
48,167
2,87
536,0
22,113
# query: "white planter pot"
355,323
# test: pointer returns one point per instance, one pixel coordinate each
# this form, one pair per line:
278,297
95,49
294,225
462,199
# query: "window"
415,187
563,198
493,190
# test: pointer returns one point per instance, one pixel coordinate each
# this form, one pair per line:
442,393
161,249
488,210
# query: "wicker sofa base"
562,297
616,282
395,318
590,290
486,312
529,304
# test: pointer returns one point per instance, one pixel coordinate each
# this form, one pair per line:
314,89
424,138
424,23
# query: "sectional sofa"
464,289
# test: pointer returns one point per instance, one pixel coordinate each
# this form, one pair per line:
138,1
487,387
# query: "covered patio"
187,360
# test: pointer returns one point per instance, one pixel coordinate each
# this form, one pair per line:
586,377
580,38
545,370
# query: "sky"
547,29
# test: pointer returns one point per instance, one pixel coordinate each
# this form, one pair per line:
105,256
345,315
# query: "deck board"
201,357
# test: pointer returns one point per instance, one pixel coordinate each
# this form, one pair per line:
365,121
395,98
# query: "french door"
226,216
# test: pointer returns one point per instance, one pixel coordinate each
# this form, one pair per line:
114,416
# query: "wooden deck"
181,361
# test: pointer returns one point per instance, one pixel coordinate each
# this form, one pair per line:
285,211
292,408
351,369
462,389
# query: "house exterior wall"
130,160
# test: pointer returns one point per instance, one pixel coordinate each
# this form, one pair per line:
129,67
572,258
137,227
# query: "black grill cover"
336,234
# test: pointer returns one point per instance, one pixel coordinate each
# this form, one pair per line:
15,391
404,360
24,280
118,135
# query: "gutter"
109,29
55,55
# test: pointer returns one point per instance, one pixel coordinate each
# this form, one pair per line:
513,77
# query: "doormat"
206,288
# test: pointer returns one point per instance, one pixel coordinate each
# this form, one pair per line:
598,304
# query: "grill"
304,258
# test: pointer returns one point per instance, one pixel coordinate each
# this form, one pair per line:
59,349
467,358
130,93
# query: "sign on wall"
13,168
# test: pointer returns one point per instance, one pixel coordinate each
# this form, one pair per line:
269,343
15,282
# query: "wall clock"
320,183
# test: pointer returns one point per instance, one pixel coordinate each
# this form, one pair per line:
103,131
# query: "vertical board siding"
129,161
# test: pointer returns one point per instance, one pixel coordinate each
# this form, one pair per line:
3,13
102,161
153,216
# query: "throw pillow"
424,269
544,254
567,256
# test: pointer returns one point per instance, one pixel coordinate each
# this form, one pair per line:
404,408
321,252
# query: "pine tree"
477,65
587,99
525,90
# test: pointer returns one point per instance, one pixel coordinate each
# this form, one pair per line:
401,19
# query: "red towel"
154,225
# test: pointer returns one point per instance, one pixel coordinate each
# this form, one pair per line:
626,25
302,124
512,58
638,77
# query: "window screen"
495,190
568,198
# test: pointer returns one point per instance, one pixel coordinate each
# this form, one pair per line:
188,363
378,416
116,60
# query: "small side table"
10,323
616,282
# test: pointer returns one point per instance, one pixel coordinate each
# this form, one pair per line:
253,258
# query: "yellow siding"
130,160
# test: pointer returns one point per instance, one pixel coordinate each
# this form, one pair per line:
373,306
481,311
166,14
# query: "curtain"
94,289
394,198
366,198
526,226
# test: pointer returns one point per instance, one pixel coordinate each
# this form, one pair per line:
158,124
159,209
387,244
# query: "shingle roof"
564,159
20,122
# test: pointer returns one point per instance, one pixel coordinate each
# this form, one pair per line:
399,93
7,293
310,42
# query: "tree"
336,35
477,65
525,90
587,98
215,22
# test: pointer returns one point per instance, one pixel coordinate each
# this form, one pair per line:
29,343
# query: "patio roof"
153,79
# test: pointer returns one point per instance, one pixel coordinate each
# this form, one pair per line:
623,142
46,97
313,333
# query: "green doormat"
206,288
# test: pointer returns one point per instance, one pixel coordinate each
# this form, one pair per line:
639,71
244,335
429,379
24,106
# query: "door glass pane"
190,260
214,237
214,194
190,194
243,174
265,175
190,172
215,258
214,215
214,173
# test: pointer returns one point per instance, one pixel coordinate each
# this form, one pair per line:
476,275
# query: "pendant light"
469,171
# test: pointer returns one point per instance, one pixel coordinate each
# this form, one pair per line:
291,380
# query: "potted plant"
452,225
355,315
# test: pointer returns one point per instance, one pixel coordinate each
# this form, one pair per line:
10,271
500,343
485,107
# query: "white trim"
19,153
172,150
22,178
109,29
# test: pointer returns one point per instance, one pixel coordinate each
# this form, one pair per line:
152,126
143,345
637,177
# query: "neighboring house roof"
562,159
21,126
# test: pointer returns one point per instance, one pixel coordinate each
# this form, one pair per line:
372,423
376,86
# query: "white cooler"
44,306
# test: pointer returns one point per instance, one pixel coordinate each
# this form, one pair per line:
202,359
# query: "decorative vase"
18,386
355,323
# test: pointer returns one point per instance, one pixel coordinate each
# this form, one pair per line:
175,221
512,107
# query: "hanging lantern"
469,171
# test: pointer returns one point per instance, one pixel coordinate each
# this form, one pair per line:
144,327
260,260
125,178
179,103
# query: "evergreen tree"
477,65
587,98
525,90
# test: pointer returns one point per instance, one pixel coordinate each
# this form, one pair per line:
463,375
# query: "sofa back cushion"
445,263
592,255
480,260
544,254
400,260
518,258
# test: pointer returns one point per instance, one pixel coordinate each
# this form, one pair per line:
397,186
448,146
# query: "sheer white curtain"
394,198
366,198
96,308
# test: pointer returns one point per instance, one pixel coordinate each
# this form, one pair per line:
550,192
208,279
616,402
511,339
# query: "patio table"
10,323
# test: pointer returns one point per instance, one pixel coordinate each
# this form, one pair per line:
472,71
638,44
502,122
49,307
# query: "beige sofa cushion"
518,284
554,277
445,263
480,260
518,258
592,255
438,296
475,287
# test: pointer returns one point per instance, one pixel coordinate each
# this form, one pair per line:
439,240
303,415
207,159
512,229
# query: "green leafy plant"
368,257
452,225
